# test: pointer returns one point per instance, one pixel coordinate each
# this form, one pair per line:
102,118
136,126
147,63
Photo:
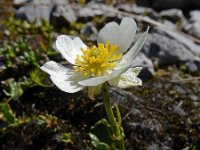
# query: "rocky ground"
163,114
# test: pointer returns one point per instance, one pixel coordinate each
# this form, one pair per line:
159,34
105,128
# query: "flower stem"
111,118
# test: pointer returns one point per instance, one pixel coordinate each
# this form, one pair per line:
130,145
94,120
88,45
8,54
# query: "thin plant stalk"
117,136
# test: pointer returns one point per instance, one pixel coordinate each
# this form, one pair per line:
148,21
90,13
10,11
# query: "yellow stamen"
96,60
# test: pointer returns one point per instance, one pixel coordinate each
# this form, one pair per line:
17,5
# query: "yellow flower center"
97,60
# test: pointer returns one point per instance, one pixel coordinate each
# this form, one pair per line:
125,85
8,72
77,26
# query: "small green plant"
9,53
66,138
7,116
30,58
97,144
101,135
22,27
19,53
37,77
14,89
47,120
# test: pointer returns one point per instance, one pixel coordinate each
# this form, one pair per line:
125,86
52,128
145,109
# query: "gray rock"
93,9
90,30
64,14
182,39
142,10
169,24
125,7
174,15
166,50
195,16
34,14
125,100
20,2
37,10
193,27
147,70
145,11
139,10
90,11
193,65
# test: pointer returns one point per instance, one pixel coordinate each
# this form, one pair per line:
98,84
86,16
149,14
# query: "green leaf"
101,146
103,133
93,137
14,89
119,121
6,113
97,144
66,138
37,76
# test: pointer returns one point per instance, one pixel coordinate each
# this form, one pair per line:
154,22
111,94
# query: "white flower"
109,61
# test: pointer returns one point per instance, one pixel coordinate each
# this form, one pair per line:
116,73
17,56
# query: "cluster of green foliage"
25,48
20,60
20,64
23,27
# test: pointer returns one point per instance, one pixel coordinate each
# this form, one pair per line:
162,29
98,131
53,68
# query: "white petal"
99,80
132,53
121,36
94,81
64,78
127,79
69,47
66,85
54,68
